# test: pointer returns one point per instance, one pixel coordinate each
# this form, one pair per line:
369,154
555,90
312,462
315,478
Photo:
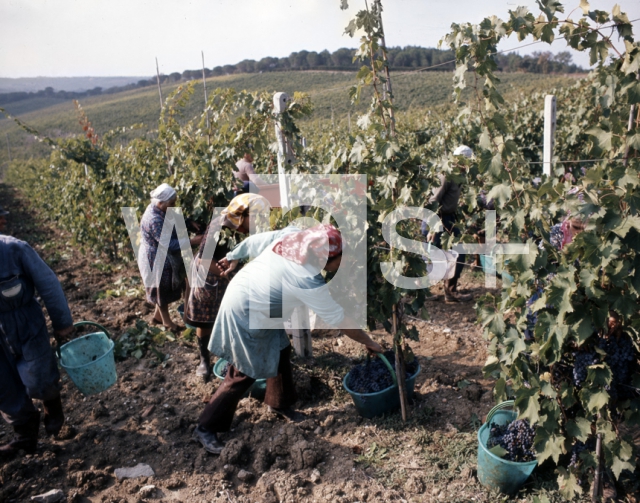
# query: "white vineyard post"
632,118
300,317
549,133
159,88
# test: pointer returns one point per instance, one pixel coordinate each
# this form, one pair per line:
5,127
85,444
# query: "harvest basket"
89,361
493,471
375,404
257,389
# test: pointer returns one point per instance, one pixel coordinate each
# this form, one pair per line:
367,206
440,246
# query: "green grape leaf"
547,389
500,390
513,345
599,375
618,465
501,194
579,428
584,5
631,222
498,451
594,400
527,403
548,445
568,484
603,137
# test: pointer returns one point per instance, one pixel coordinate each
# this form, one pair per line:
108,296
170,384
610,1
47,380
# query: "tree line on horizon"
400,59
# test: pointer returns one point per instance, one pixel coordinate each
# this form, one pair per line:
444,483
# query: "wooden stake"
401,371
387,87
159,88
597,479
397,342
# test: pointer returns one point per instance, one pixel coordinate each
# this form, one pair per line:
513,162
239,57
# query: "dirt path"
335,455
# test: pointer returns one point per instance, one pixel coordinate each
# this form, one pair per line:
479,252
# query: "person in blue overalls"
28,367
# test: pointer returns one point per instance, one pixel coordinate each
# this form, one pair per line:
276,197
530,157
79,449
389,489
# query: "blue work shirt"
22,273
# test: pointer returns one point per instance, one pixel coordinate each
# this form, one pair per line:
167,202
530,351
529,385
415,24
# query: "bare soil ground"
335,455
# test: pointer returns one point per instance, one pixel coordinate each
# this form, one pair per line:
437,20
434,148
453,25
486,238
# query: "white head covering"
463,150
163,193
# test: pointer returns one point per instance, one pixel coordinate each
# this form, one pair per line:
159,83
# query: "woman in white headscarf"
172,281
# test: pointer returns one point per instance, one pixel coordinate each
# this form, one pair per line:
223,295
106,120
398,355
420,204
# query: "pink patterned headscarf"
316,241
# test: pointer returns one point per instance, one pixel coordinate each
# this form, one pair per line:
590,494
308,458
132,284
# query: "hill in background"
72,84
415,92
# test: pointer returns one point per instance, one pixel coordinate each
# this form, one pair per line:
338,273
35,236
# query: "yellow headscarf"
232,215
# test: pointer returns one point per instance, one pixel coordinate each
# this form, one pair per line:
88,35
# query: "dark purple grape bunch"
516,438
577,449
556,236
581,362
621,359
532,318
373,375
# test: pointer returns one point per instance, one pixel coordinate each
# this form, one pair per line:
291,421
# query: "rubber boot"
53,415
26,438
204,369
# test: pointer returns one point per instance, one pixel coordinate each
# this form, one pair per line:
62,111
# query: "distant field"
31,84
328,90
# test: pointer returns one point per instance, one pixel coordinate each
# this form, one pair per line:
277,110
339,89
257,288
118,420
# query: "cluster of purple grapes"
578,448
621,357
516,438
556,236
373,375
581,361
532,318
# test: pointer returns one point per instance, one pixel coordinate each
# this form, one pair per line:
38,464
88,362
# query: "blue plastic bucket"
489,267
181,313
493,471
257,389
370,405
89,362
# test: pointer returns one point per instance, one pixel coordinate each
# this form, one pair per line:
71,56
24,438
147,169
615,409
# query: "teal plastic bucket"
370,405
489,267
494,472
257,389
181,313
89,362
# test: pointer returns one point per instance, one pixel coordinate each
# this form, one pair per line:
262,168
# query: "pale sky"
67,38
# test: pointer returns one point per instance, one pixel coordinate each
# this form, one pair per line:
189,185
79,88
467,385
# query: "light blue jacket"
249,330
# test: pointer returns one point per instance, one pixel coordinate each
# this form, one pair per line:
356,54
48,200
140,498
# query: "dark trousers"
23,380
218,413
448,222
